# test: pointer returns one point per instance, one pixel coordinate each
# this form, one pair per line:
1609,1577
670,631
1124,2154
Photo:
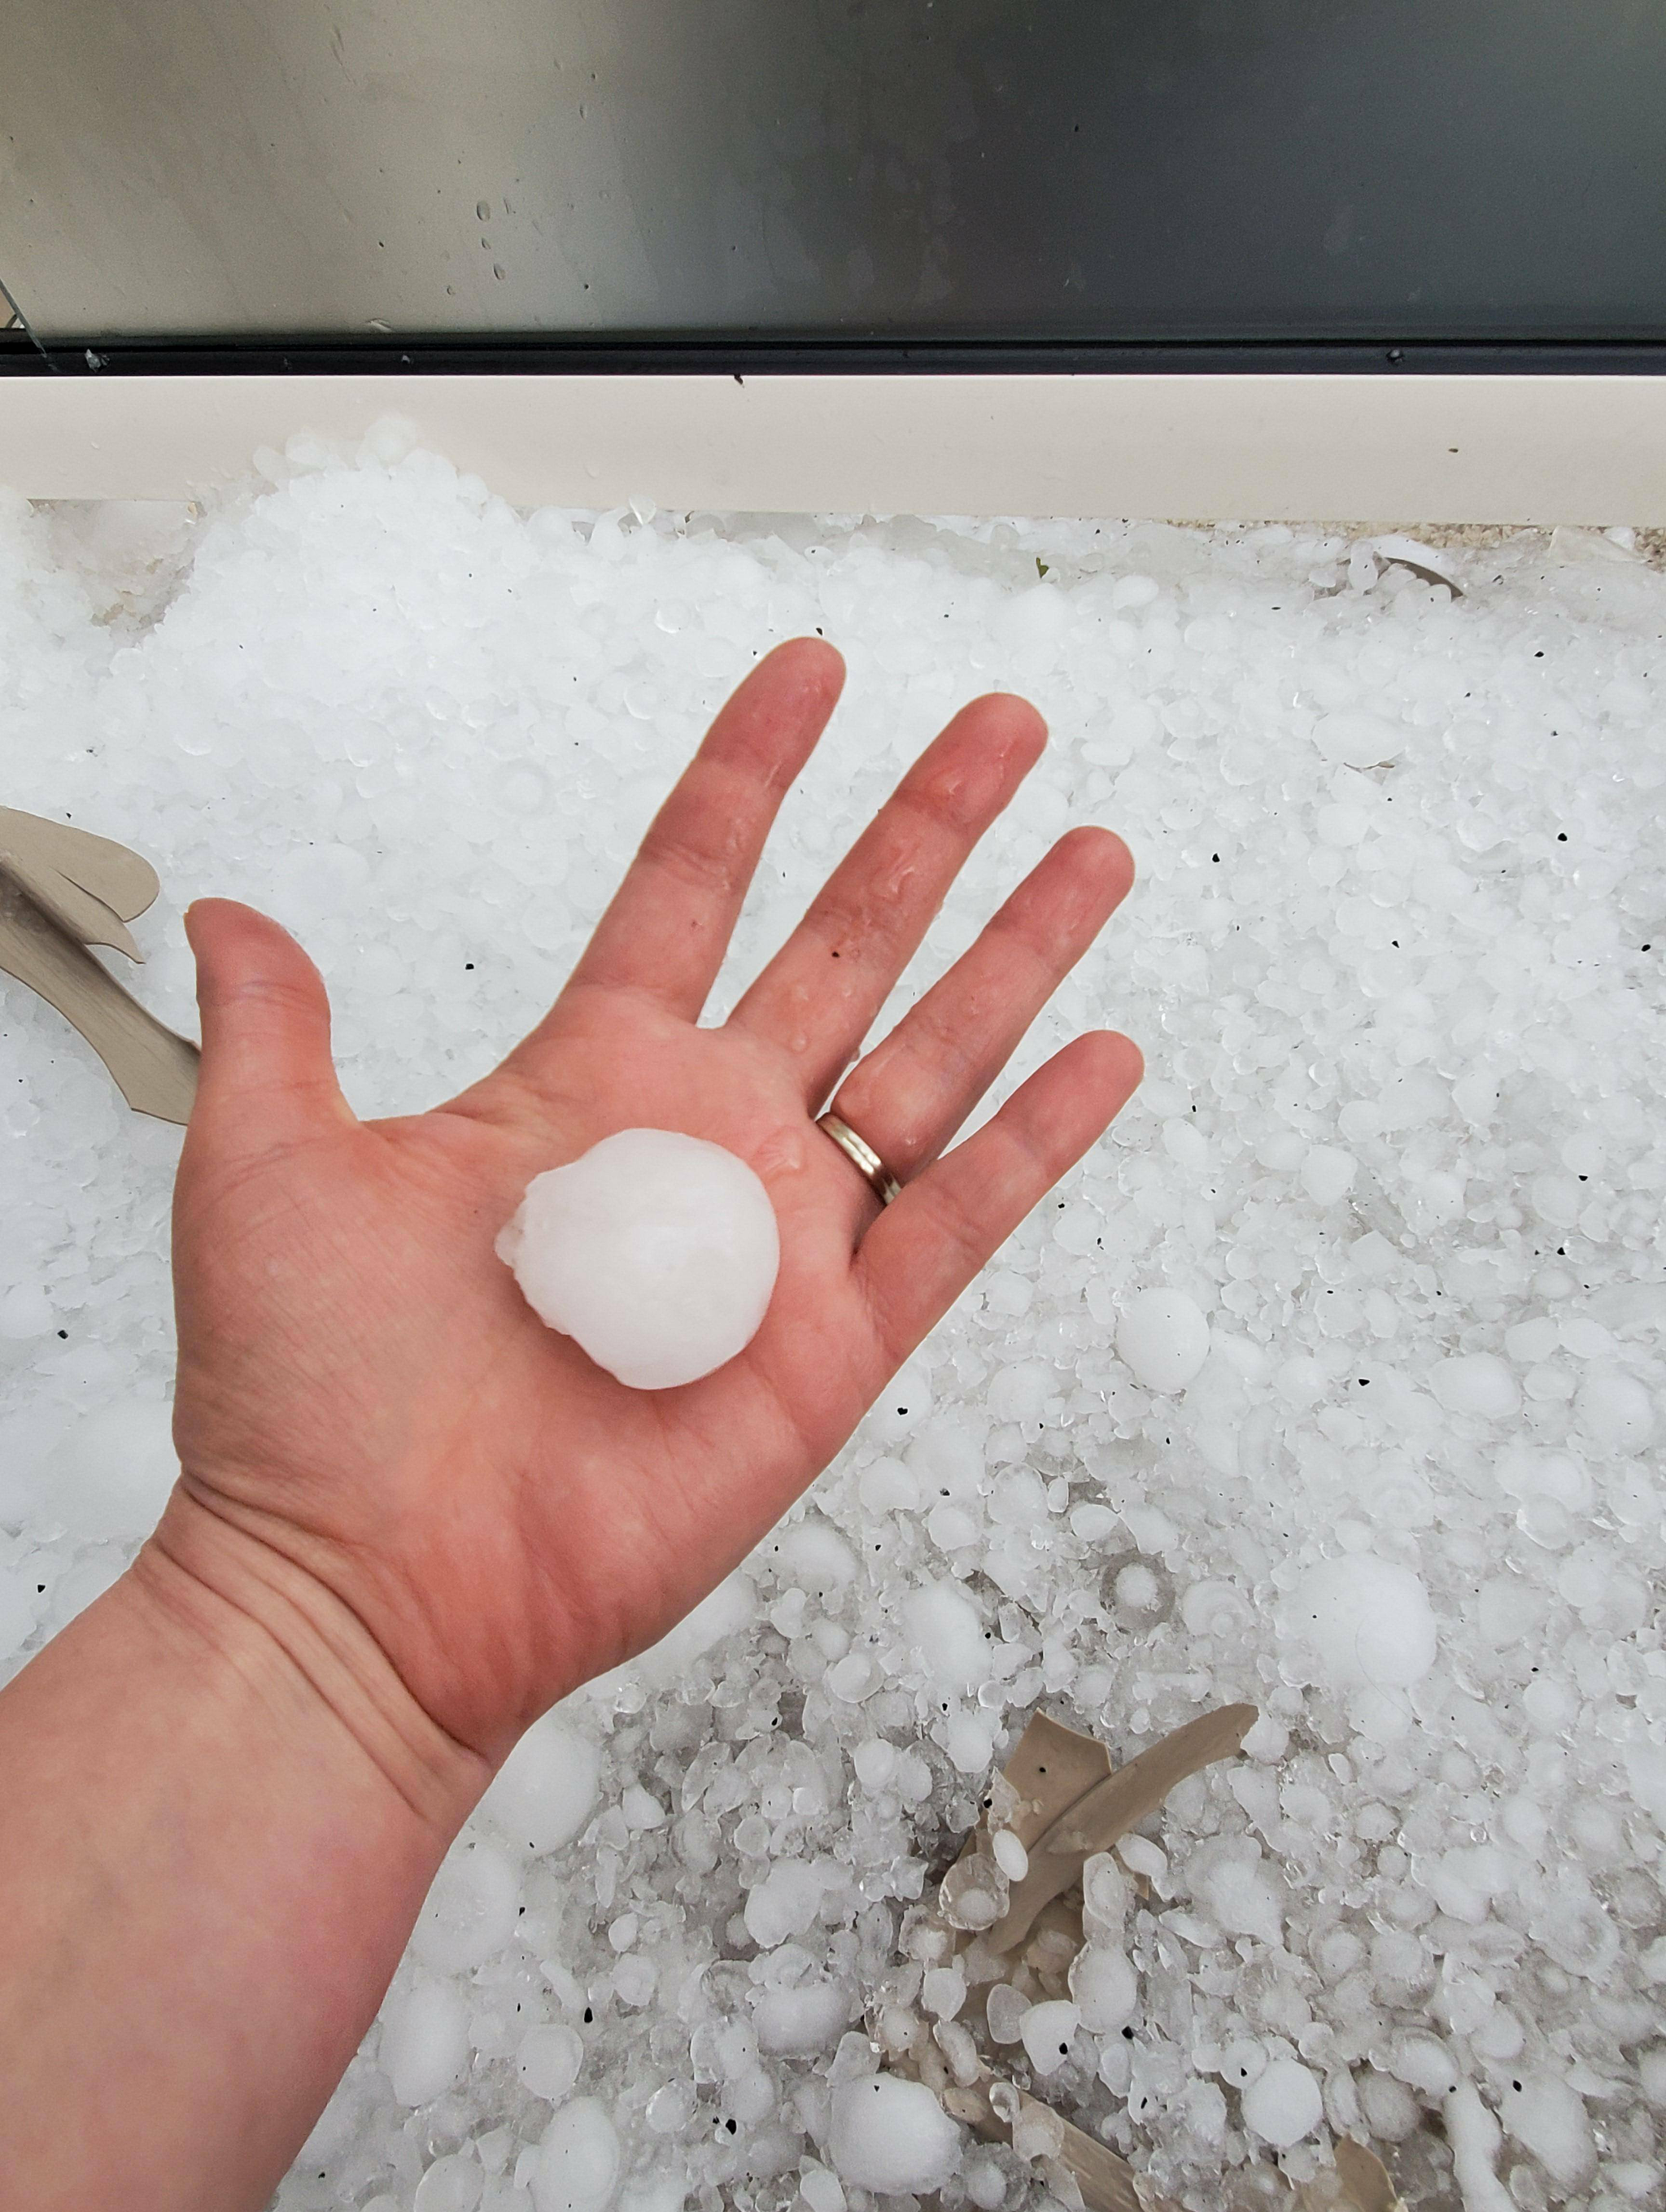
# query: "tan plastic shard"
1077,1805
1074,1803
61,889
1358,2182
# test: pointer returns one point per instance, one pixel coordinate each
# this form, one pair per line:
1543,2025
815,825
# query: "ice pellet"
784,1903
1328,1174
452,2184
1103,1987
656,1252
943,1627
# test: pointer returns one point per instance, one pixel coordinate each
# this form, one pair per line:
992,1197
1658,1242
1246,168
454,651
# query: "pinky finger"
925,1247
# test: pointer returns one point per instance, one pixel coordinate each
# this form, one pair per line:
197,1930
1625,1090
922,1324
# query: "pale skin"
410,1517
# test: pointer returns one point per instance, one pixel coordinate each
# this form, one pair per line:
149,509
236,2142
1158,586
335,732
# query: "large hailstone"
655,1252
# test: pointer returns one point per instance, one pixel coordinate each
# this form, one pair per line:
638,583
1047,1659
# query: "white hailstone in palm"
891,2135
1283,2103
1368,1621
1163,1339
656,1252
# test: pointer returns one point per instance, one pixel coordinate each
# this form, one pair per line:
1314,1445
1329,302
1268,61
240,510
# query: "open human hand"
367,1409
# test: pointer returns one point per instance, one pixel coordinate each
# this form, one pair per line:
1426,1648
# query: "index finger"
668,926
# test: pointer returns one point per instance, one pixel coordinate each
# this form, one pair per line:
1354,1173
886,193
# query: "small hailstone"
1011,1856
943,1627
1474,2137
1615,1409
1162,1338
1477,1383
1356,739
425,2042
820,2189
452,2184
1328,1174
1105,1986
785,1903
470,1909
943,1992
1140,1855
1283,2103
545,1791
890,2136
549,2059
801,2021
1046,2031
1369,1620
1545,2114
578,2163
655,1252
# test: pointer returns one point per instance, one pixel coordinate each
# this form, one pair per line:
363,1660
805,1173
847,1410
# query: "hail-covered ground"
1331,1380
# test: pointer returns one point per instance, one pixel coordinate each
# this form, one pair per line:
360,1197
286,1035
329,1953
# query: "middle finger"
818,997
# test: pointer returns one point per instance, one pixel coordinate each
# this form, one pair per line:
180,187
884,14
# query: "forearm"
217,1824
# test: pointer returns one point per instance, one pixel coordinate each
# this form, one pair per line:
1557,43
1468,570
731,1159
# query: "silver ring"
862,1155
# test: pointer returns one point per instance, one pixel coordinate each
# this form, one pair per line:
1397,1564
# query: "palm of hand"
362,1384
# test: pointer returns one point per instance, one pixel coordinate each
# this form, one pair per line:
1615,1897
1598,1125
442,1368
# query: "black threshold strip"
798,354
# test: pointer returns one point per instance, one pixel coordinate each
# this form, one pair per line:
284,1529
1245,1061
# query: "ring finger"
908,1096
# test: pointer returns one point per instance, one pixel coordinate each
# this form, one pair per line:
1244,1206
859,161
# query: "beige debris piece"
61,889
1093,1818
1072,1803
1358,2182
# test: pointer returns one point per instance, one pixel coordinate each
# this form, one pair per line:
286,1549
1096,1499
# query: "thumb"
267,1073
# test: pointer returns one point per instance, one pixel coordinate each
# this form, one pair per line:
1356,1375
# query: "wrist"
273,1630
